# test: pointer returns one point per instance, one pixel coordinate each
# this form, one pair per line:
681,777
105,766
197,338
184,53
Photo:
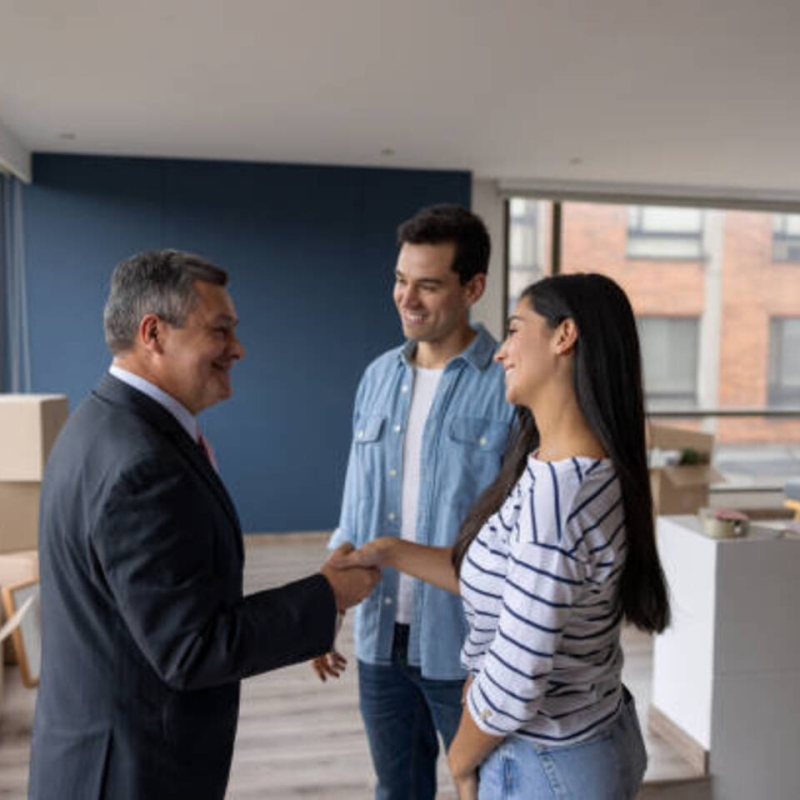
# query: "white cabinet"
728,670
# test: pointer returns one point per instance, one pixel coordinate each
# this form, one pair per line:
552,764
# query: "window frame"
639,232
779,395
789,241
665,400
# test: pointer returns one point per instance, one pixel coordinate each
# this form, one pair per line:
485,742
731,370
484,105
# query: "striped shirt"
539,585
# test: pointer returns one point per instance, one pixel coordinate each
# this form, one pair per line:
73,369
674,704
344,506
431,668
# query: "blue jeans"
609,766
402,712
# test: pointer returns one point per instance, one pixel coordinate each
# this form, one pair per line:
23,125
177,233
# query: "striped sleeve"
540,589
546,575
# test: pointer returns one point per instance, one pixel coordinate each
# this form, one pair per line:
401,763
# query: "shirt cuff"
339,536
489,719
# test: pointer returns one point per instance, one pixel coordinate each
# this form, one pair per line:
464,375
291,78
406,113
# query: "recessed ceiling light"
68,135
387,151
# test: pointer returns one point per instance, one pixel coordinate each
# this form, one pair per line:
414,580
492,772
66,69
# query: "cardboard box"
16,568
681,489
29,425
19,516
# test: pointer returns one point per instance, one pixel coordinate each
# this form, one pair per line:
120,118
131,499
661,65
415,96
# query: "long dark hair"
608,387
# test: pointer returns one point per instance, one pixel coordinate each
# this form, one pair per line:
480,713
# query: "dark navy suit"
146,633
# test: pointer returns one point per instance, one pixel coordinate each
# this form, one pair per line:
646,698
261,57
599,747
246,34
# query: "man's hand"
332,664
372,554
351,585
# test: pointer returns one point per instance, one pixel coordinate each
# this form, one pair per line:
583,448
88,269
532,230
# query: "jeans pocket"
499,775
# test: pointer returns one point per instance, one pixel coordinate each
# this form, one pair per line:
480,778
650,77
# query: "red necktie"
206,447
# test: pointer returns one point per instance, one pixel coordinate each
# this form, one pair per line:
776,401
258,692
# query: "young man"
146,634
430,428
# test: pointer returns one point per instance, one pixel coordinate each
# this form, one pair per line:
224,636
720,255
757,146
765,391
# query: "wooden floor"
299,738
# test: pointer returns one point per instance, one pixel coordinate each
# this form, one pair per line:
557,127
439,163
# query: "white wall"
14,157
489,205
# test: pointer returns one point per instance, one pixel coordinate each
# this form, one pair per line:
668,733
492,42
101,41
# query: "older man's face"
197,358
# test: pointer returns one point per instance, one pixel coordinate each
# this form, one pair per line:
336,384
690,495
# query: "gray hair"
157,282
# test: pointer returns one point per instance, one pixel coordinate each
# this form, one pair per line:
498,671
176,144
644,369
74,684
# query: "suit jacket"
146,633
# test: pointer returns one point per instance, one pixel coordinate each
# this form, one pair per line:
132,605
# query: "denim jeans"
402,712
609,766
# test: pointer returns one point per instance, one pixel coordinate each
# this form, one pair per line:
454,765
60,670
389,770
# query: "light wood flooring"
299,738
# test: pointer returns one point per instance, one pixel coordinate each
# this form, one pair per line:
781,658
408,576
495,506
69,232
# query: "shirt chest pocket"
479,434
369,430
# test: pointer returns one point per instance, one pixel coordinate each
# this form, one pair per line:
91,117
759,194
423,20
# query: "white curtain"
14,338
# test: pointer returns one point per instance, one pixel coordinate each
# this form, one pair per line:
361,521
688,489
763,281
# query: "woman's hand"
468,750
372,554
467,786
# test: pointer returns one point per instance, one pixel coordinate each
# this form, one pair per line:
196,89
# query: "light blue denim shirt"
463,442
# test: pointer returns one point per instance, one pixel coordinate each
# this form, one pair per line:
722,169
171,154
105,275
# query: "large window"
719,314
786,237
669,359
663,232
527,238
784,361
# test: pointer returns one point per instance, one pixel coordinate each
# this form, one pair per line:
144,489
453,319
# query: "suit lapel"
118,392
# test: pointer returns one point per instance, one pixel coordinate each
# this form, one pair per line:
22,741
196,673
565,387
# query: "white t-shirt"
423,391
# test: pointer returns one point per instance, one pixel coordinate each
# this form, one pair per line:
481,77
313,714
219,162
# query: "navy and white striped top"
539,585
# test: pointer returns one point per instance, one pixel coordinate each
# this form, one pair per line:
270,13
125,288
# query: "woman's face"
528,354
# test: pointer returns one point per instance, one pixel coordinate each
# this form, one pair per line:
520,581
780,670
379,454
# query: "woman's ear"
566,337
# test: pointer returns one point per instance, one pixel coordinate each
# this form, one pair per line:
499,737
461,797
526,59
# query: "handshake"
352,573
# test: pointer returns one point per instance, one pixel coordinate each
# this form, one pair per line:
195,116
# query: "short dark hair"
155,282
451,223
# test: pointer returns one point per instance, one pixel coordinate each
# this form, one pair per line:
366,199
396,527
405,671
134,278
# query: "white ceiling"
697,93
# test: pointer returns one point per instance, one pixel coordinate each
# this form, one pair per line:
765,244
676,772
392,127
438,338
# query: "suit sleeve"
155,545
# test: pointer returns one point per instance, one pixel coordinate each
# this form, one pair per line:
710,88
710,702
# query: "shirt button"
404,388
360,435
387,601
482,441
392,515
486,714
398,428
392,473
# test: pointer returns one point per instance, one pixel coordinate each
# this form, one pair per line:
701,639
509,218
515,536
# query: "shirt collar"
479,353
178,410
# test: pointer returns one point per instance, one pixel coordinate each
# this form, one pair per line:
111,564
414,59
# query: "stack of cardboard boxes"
682,486
29,425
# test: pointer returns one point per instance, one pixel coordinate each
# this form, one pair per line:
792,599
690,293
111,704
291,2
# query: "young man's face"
432,303
197,357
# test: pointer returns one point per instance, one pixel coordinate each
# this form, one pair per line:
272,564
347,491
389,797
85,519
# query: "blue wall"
310,251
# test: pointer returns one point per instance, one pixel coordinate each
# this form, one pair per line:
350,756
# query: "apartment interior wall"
310,251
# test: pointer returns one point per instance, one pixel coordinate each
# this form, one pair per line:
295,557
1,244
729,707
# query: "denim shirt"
463,442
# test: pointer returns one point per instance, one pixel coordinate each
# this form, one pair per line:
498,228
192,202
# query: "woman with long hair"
555,555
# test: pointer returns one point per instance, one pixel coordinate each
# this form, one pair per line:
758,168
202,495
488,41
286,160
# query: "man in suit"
146,632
